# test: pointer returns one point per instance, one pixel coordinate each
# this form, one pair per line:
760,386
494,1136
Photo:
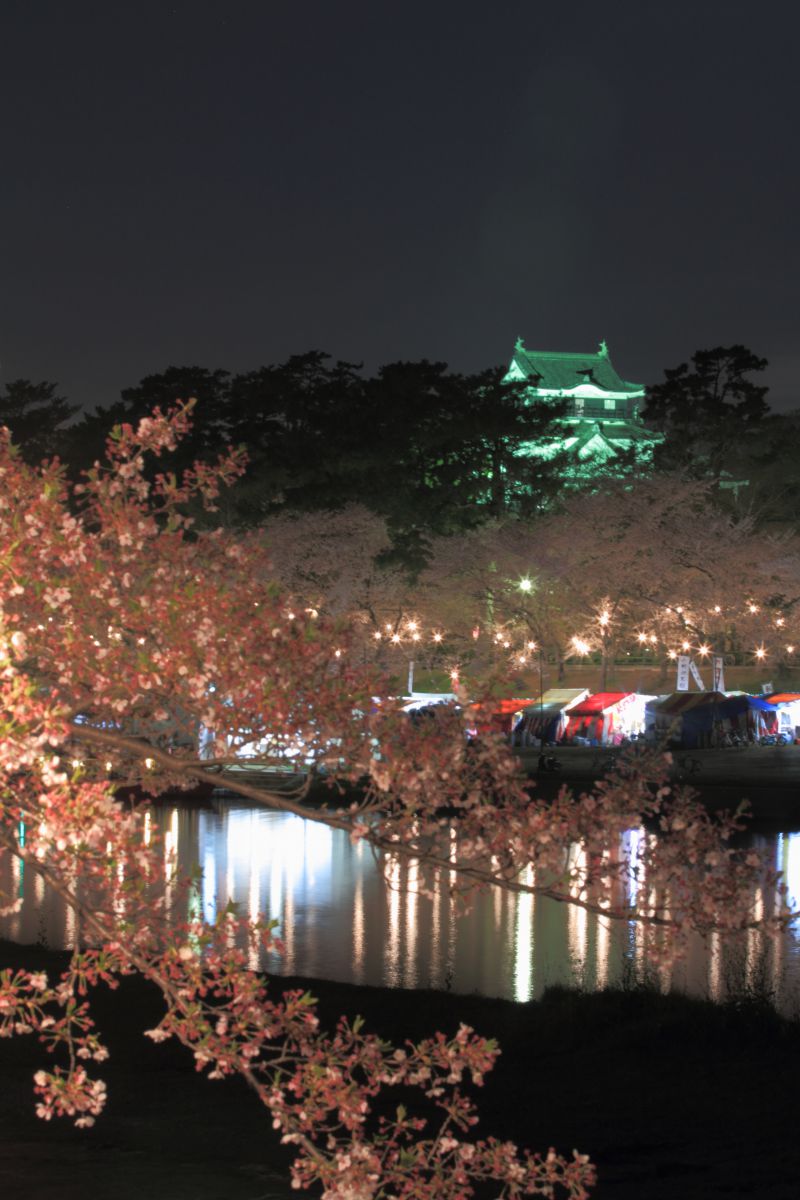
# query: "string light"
525,585
337,654
410,631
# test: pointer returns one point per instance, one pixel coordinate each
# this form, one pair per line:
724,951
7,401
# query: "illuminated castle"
602,421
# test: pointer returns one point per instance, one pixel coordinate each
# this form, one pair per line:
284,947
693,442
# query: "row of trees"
654,562
123,632
431,451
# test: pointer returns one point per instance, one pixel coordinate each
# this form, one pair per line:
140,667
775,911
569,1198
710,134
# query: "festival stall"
545,720
498,716
749,717
683,720
607,718
701,720
788,708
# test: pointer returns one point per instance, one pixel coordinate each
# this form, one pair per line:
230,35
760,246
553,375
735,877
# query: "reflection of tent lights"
278,842
792,868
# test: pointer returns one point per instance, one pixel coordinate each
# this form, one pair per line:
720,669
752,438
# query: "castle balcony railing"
596,410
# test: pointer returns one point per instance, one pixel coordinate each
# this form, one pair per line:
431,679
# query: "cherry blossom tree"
654,562
137,650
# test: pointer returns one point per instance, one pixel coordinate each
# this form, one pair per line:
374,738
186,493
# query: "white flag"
696,676
718,663
682,682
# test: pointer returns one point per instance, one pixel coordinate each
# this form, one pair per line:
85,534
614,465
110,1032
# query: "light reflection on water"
339,920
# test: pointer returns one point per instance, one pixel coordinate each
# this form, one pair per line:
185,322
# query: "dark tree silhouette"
707,411
35,414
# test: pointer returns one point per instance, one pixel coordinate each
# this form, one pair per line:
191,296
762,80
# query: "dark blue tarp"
699,721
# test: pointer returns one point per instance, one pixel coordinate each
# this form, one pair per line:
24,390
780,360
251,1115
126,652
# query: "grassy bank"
671,1097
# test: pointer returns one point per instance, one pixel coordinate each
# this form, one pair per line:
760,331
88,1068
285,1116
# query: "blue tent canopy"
733,705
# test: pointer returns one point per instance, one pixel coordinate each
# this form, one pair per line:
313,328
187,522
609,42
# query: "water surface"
339,919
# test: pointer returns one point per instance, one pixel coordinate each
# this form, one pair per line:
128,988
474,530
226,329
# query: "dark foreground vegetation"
672,1097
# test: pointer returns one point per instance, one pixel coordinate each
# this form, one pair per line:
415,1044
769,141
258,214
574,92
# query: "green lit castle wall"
602,421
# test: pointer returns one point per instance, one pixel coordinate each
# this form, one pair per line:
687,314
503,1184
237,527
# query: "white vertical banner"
696,676
718,667
682,681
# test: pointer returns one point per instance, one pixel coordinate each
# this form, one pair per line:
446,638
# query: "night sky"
229,183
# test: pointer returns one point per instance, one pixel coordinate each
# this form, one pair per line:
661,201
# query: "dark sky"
229,183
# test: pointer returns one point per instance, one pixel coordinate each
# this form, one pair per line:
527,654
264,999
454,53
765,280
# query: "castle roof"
561,372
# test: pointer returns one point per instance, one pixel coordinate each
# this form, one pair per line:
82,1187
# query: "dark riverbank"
671,1097
768,777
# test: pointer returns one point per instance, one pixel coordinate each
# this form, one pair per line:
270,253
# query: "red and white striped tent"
607,717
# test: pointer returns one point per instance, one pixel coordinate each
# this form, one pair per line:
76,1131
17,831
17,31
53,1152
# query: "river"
339,920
